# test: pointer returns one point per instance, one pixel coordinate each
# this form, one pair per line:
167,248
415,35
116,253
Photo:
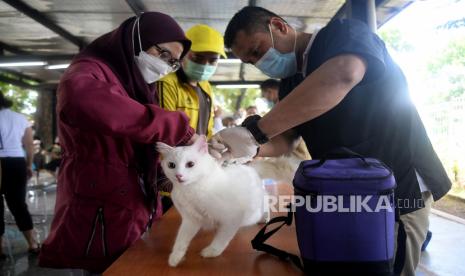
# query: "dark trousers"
14,180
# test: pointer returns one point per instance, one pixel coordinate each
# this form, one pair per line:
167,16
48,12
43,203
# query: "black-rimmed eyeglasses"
166,55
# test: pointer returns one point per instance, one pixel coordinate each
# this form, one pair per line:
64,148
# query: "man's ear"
279,25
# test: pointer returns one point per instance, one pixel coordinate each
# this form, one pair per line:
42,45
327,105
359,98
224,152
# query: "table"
149,255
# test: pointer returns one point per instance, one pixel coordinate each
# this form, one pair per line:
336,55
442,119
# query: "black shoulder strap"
401,247
258,243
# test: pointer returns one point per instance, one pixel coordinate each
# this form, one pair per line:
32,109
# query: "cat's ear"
163,148
201,144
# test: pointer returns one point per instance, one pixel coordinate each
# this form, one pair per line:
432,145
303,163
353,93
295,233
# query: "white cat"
208,196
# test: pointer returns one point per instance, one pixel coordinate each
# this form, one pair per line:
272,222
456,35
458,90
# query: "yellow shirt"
175,95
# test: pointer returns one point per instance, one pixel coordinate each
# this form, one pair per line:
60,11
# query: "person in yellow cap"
188,89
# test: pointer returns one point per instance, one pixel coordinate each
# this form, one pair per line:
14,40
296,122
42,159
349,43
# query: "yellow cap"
206,39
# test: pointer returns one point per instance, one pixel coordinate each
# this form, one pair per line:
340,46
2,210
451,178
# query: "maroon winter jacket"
100,208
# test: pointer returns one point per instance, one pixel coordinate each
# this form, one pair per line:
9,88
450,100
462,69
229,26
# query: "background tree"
227,98
24,100
449,64
394,38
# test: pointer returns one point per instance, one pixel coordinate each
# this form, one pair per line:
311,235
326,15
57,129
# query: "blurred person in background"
54,154
39,158
229,121
16,154
251,110
239,115
270,90
217,119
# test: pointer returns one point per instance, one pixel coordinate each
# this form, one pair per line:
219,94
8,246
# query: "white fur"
210,196
280,168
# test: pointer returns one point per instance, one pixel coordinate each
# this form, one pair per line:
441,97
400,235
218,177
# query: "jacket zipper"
98,220
102,226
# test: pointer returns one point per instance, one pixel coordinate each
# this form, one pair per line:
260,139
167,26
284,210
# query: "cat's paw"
175,258
211,252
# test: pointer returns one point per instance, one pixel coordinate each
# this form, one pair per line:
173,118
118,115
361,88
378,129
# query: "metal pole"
371,15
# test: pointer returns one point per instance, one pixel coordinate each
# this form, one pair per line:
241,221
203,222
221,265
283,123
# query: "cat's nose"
179,177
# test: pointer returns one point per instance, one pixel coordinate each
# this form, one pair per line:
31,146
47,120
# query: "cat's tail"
278,168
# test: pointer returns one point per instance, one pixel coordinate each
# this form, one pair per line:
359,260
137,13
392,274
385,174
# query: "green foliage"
250,96
395,40
446,64
24,101
451,64
454,54
453,24
227,98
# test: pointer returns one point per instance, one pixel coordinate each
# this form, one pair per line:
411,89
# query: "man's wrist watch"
251,124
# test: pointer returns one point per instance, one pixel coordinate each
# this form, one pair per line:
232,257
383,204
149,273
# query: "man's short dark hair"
269,83
248,19
4,102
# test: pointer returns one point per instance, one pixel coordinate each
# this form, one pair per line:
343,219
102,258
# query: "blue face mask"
276,64
198,72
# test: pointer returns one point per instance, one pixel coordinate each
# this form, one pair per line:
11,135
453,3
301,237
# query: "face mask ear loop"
271,34
138,33
133,27
295,38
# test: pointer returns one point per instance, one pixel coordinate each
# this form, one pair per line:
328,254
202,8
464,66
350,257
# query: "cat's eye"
189,164
171,165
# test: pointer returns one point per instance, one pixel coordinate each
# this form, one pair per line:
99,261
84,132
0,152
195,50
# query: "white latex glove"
239,142
216,149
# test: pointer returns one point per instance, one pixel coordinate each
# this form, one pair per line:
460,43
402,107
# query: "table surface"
149,255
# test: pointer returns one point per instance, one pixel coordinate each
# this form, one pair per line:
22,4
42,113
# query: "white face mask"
152,68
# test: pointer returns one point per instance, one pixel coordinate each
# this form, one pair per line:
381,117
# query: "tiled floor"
444,255
19,262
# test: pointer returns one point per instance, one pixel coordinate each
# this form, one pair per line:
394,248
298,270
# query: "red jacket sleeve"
89,103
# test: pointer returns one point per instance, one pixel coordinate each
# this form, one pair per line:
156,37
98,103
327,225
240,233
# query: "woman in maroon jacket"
108,125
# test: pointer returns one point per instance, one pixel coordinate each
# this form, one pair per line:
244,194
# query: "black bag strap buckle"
258,242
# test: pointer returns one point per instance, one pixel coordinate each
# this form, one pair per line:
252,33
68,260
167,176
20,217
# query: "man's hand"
218,150
239,143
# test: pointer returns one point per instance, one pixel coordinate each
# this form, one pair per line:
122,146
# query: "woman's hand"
193,139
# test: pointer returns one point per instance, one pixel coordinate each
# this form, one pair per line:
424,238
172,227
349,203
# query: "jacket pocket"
102,181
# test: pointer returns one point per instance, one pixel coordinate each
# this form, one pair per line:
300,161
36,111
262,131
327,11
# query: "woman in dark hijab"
109,121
